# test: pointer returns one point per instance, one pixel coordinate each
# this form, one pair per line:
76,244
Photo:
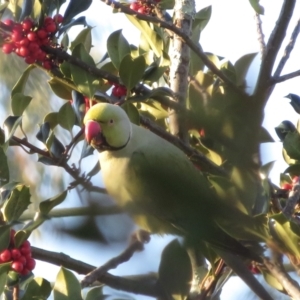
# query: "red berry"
30,264
18,27
24,42
15,253
24,51
48,20
17,51
29,60
135,6
33,47
58,18
47,64
22,260
7,48
51,27
5,255
287,186
16,36
42,34
25,271
8,22
25,248
41,55
17,266
45,41
295,179
32,37
142,10
27,24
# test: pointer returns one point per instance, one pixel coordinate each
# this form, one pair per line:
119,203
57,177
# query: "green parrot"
158,185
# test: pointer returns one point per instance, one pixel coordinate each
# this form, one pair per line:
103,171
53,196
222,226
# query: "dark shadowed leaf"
17,203
295,102
4,170
55,146
21,83
175,271
66,116
66,286
19,102
27,7
132,70
59,89
38,288
43,133
167,4
85,38
51,119
74,8
11,123
78,105
117,47
73,22
202,18
95,293
132,112
267,168
283,128
242,66
65,68
86,150
3,276
4,236
291,144
47,205
83,79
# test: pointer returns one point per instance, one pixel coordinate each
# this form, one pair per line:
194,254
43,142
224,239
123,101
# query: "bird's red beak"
92,132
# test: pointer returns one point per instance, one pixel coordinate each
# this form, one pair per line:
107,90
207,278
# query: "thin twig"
263,87
277,270
288,49
113,263
58,162
285,77
261,36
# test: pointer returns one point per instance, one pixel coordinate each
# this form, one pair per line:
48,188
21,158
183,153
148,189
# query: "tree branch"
261,36
90,278
179,67
61,163
263,87
143,284
288,50
278,271
285,77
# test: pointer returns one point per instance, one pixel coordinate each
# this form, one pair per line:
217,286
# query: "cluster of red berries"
25,39
144,7
20,258
118,90
289,186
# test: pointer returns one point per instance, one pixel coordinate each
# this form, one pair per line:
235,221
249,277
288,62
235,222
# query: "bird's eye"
111,121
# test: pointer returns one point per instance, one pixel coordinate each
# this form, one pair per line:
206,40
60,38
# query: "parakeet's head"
107,127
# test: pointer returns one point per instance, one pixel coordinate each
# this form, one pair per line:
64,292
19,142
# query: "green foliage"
175,271
66,286
16,204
